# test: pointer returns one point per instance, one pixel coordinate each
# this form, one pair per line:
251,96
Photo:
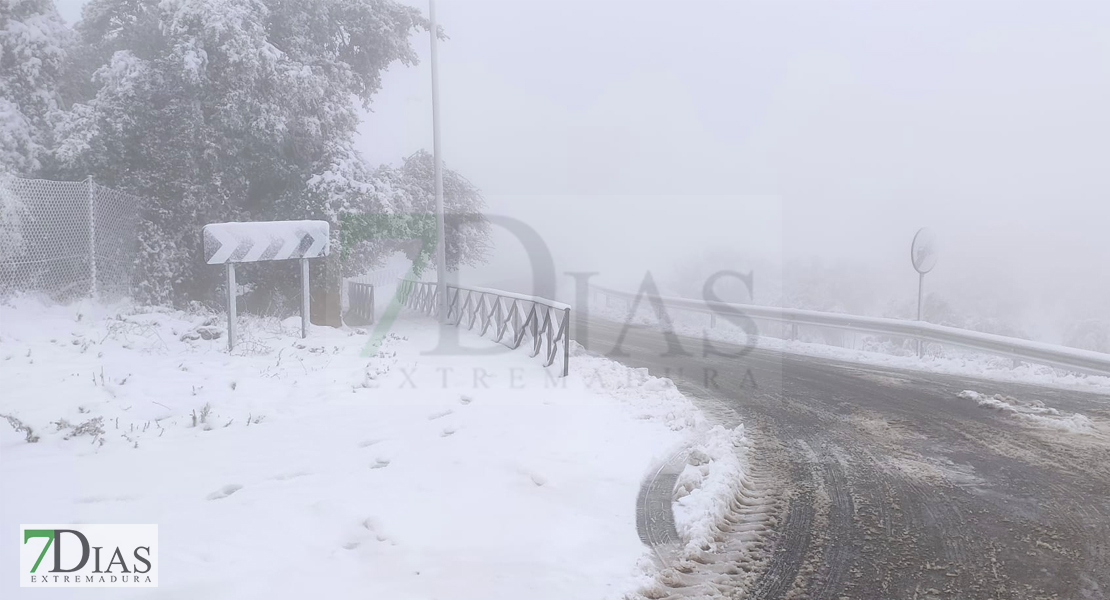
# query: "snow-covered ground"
867,349
339,467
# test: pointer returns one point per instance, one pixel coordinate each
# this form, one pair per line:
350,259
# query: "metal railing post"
566,341
535,327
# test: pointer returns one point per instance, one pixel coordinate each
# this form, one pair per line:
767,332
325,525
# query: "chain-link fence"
66,239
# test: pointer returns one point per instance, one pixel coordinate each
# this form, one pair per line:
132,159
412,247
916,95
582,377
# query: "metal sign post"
230,243
920,293
231,312
923,254
305,302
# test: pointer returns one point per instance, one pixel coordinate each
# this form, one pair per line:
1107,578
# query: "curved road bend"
886,485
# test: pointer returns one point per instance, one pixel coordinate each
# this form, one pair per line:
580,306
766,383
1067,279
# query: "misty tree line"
221,110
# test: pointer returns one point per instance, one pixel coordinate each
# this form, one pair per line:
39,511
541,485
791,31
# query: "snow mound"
715,474
1033,411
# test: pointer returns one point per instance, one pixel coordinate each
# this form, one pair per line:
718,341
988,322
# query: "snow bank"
715,473
715,457
354,461
1034,412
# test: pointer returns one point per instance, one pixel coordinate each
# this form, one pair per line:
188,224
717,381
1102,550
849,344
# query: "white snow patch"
1033,412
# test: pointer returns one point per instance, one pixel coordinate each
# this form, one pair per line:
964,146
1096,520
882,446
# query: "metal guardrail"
1071,359
545,322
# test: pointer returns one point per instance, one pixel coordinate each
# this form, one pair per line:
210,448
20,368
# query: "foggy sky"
631,134
807,129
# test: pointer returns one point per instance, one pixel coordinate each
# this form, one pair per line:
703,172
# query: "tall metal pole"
920,296
441,242
920,293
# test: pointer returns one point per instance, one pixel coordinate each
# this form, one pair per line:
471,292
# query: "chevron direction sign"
230,243
267,240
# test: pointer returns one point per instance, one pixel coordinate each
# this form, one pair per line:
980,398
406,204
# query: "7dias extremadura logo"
88,555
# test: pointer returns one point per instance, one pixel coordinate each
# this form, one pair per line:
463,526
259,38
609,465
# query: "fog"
647,135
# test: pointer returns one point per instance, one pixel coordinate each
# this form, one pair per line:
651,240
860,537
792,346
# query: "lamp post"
441,241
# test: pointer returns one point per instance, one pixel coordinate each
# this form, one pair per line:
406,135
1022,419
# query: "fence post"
92,237
566,341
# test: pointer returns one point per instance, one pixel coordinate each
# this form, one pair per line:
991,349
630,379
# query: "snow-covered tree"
11,224
467,234
408,223
217,110
33,41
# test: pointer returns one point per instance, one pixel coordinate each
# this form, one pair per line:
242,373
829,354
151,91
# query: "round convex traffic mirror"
923,251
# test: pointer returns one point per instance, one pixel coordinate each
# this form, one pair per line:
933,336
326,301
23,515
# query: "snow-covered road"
879,483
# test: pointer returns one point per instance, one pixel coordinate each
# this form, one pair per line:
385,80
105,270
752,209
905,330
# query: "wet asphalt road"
880,483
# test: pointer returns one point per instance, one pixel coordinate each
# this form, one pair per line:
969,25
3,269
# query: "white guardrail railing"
1071,359
545,323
